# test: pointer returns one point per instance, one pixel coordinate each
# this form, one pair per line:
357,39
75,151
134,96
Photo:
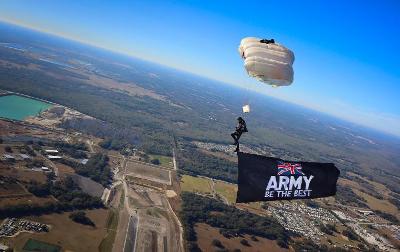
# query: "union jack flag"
289,169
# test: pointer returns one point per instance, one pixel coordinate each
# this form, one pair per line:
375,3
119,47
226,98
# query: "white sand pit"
171,193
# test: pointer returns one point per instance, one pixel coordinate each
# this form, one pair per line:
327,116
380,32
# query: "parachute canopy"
270,63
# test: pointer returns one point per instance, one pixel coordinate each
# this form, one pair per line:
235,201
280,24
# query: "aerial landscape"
103,151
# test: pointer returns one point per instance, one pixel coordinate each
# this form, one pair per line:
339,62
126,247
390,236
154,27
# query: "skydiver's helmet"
240,119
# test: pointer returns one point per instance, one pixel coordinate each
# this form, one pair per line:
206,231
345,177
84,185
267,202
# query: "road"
90,144
131,235
182,247
55,168
131,230
123,240
179,226
174,159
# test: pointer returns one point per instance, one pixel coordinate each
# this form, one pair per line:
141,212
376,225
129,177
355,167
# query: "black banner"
267,179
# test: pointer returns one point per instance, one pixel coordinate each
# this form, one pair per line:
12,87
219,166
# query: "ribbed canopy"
269,63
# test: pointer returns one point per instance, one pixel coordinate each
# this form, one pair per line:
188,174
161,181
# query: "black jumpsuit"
240,128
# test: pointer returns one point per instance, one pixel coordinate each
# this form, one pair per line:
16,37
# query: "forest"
193,162
233,222
230,220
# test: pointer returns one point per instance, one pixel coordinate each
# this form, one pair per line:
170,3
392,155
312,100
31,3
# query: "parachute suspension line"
246,102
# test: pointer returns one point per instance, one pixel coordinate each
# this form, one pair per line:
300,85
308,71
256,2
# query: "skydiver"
240,129
267,41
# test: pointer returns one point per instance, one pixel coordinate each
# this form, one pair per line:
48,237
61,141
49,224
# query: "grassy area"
13,193
67,234
22,174
203,186
112,223
164,160
226,190
378,204
206,234
11,188
121,199
107,243
149,172
382,189
156,212
64,170
196,184
134,202
35,245
338,239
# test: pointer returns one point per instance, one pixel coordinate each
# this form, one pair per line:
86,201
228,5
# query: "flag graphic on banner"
289,169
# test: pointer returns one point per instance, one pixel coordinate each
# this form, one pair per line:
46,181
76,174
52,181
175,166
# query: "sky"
347,52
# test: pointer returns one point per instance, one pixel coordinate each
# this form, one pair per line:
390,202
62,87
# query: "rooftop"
8,156
51,151
24,156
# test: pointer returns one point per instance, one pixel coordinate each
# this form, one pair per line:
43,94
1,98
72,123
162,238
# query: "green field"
112,223
138,169
226,190
165,161
196,184
156,212
134,202
35,245
18,108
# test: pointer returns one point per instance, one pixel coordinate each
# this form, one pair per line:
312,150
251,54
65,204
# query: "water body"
18,107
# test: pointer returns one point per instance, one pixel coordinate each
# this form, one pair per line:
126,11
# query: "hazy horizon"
345,88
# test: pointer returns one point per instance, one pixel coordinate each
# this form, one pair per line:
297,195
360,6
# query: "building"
8,157
84,161
51,151
53,157
45,169
365,212
24,156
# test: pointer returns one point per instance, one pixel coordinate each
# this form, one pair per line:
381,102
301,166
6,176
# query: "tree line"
193,162
230,220
97,168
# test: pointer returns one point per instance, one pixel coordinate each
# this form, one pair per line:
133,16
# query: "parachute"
267,61
246,108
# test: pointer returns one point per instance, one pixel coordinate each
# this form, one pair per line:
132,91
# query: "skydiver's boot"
237,148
